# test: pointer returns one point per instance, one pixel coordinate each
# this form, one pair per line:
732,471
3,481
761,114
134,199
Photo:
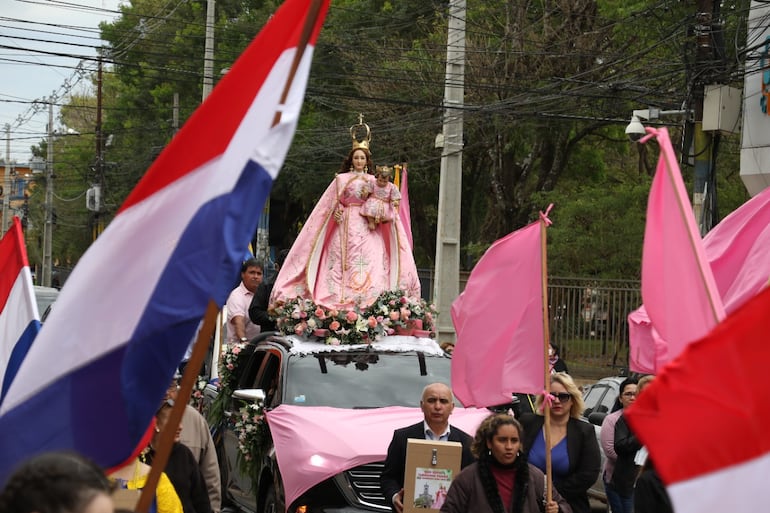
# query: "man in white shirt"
239,326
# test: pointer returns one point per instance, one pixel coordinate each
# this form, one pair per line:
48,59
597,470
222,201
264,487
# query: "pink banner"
499,323
678,287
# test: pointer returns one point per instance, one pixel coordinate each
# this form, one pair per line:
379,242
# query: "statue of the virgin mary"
337,260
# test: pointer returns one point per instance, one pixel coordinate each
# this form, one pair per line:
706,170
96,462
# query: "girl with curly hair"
501,481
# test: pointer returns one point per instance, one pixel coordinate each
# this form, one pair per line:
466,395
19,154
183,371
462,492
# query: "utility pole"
208,53
447,275
98,227
48,229
703,194
7,182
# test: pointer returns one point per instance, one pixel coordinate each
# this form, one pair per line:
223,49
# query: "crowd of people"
352,248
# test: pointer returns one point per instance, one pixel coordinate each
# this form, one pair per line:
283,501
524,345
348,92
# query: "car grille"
364,482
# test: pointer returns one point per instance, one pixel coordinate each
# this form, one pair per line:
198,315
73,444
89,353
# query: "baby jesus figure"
382,203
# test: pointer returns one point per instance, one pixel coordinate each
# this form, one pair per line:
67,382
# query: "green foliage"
549,88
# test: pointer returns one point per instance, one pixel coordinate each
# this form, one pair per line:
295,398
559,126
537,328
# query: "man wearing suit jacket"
436,405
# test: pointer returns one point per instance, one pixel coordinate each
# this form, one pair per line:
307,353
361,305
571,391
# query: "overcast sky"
27,76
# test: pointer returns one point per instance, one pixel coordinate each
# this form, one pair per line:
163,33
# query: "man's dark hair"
251,262
54,482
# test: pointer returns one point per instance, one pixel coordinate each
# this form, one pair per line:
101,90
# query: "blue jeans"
618,503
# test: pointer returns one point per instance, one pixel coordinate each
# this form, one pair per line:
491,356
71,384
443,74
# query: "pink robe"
345,264
379,204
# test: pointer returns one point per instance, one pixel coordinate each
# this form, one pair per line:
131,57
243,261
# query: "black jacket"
626,447
258,307
183,472
585,459
392,478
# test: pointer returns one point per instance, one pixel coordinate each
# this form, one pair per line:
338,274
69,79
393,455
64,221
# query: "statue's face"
359,160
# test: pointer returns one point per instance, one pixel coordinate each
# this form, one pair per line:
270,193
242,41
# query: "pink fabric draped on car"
345,264
350,438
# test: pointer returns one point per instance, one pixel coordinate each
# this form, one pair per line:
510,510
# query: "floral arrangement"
228,367
253,438
389,314
196,397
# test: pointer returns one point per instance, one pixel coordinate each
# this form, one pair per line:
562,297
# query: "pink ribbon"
544,215
651,132
547,400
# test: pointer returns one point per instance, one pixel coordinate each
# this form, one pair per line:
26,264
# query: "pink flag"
704,417
350,438
403,208
678,287
499,323
737,251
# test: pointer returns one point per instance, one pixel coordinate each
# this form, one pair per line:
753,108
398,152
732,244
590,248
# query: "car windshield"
599,398
336,379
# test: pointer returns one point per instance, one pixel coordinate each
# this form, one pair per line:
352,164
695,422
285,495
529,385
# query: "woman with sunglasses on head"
575,456
501,480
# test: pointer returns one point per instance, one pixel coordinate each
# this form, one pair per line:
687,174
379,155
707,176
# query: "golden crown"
362,143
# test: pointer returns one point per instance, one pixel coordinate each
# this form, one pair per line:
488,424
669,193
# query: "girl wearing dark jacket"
501,481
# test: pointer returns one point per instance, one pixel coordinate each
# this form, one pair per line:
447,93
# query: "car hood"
313,444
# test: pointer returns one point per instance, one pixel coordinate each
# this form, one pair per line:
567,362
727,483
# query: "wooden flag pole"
544,222
166,441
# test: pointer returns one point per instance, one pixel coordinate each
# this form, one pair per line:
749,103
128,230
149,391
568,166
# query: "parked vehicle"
45,297
350,378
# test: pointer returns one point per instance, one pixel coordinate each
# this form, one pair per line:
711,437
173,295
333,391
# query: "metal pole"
7,181
447,283
98,227
702,140
208,54
48,233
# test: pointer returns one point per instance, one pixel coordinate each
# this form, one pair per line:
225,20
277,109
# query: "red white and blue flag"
19,318
99,367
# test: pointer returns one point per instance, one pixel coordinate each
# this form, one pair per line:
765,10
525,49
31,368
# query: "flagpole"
304,38
546,343
166,441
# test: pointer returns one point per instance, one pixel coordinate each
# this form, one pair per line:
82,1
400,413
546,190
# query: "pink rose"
333,313
334,326
394,315
391,331
319,312
236,349
351,316
379,318
402,300
372,322
392,302
300,328
230,366
405,313
303,315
